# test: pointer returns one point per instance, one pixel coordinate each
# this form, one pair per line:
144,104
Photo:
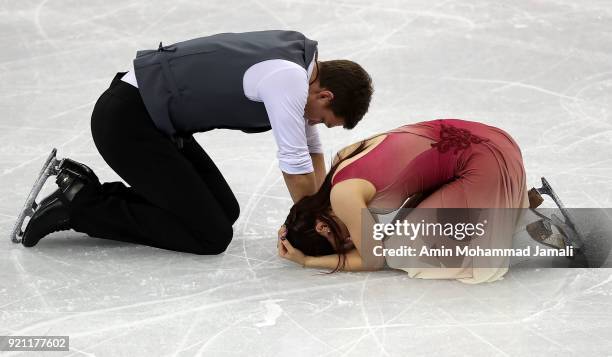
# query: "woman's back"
421,157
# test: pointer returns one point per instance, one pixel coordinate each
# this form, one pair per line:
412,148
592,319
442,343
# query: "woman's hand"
286,250
282,232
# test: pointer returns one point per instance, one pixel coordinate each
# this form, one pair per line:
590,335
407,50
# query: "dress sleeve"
284,93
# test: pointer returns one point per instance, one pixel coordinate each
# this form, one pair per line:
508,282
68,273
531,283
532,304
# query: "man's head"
340,95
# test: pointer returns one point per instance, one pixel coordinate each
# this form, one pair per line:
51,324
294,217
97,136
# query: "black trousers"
177,198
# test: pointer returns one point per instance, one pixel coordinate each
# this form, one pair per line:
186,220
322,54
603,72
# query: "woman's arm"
349,203
353,259
353,262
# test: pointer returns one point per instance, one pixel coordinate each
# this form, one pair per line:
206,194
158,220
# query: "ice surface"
541,70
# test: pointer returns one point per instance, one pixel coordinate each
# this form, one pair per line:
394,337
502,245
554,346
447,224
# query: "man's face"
318,109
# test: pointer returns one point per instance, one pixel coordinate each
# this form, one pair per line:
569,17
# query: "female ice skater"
445,163
142,125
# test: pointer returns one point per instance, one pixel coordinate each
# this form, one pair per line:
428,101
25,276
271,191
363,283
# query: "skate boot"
569,232
52,213
50,216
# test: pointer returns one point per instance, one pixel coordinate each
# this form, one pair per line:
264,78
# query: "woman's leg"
168,205
480,194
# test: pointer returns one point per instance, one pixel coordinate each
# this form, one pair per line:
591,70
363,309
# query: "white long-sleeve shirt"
283,88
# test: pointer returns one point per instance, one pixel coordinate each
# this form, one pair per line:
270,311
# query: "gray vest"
196,85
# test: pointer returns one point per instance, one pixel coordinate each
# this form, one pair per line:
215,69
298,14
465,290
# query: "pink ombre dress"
459,164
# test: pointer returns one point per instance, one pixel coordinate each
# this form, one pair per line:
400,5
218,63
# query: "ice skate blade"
574,237
546,189
49,168
571,237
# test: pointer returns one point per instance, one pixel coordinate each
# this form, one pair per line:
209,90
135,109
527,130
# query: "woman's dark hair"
352,88
301,221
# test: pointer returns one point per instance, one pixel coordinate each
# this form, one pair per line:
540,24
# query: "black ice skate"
541,230
52,213
51,216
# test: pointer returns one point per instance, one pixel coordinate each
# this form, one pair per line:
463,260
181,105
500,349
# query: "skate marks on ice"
540,71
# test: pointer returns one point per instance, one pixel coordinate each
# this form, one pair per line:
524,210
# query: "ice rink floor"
541,70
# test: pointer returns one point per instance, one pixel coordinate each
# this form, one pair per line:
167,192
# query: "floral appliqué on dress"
451,137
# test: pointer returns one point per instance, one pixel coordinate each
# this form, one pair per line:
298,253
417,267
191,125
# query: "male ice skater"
142,125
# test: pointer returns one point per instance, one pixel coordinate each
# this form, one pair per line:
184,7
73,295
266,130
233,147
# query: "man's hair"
352,88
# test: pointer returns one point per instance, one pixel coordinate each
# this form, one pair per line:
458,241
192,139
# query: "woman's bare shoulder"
347,150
